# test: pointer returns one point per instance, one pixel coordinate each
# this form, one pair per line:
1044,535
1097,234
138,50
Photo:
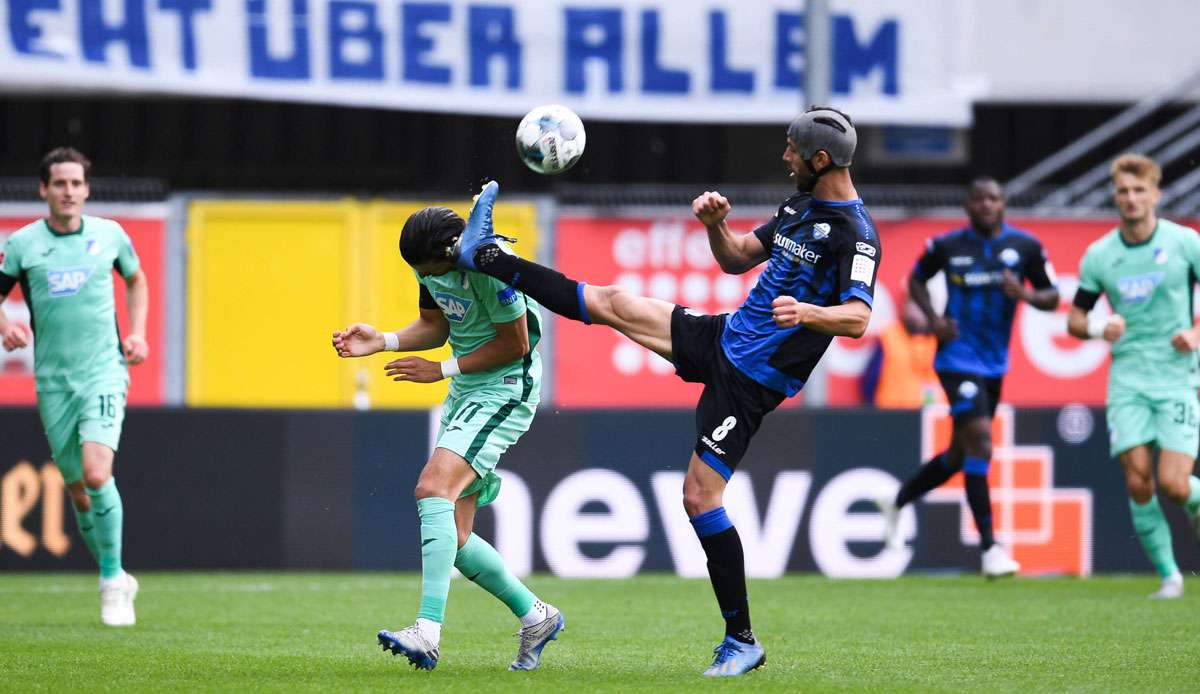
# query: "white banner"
894,61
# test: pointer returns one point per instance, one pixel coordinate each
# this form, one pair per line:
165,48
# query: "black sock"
931,476
979,498
549,288
727,571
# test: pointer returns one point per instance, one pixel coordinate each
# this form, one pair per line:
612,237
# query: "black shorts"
970,396
732,405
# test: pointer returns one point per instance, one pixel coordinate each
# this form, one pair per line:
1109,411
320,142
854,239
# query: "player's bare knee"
1140,489
1177,490
697,499
95,479
426,490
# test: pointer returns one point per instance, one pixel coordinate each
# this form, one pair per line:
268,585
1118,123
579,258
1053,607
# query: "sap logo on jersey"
797,250
1138,288
507,296
454,307
67,281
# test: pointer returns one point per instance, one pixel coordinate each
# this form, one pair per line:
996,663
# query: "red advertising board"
146,379
668,257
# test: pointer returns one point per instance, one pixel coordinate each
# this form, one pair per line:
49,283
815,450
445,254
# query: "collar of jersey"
837,203
69,233
1004,230
1157,223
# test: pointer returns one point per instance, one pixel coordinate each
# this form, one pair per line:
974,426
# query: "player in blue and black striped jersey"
821,251
986,266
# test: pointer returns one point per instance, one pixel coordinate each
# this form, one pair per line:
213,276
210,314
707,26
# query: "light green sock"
1155,534
1193,501
481,563
439,540
108,515
87,530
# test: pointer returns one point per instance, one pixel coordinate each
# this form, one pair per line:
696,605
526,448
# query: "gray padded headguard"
827,129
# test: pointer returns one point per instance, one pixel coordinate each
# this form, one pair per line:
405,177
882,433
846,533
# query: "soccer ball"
550,139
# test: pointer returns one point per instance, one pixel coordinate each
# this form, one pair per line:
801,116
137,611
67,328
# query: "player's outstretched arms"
1079,325
845,320
735,253
510,343
359,340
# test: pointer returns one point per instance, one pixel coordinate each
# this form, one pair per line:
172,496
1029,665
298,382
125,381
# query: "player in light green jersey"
1147,268
495,381
64,264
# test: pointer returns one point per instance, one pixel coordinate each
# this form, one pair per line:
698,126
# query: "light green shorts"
479,426
1169,419
69,418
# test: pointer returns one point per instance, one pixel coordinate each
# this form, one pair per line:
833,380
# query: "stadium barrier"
585,493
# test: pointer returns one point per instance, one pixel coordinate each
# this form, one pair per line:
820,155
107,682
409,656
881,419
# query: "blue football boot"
534,639
736,658
413,645
479,231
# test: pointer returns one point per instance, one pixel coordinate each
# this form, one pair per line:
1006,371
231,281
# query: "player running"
821,250
495,385
64,264
1147,268
986,266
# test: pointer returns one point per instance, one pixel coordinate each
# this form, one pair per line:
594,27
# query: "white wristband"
450,368
1096,326
391,342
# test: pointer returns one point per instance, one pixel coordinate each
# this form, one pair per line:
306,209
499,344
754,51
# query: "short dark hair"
428,235
64,155
981,180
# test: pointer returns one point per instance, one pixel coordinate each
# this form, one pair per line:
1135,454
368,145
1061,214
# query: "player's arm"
1045,299
429,331
510,343
1085,328
137,302
843,320
858,257
735,253
1188,339
1044,294
929,264
12,335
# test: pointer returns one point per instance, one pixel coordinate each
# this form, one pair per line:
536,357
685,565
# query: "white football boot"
1171,588
891,521
116,600
997,563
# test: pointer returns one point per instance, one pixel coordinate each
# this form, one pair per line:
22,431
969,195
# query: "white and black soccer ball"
550,139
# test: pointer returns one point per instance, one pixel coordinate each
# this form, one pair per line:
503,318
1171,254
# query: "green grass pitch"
316,632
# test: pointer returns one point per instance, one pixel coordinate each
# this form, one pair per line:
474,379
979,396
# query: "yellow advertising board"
268,282
390,288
